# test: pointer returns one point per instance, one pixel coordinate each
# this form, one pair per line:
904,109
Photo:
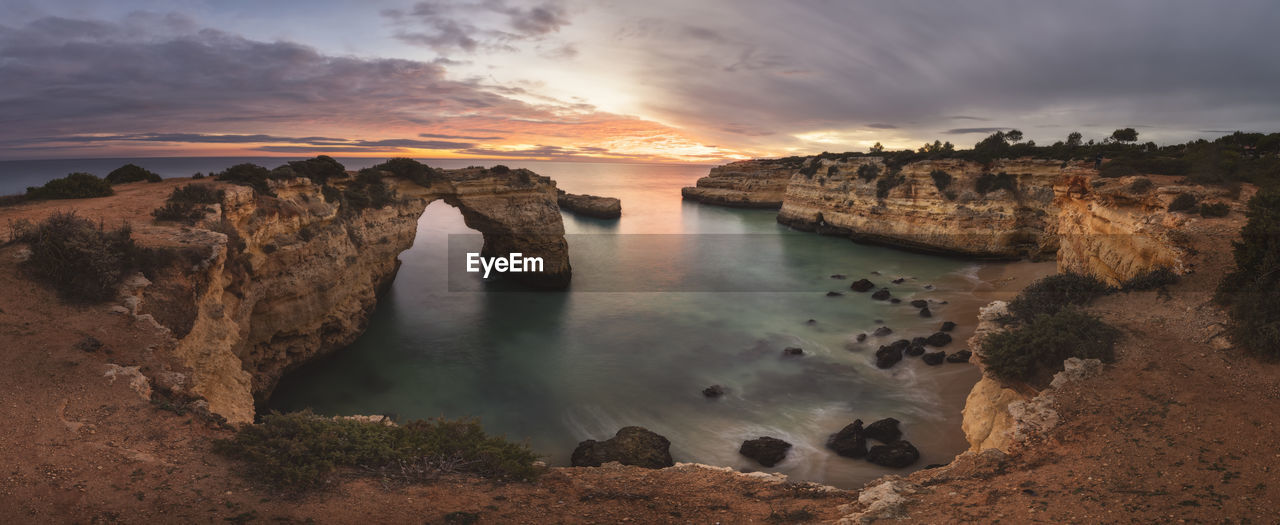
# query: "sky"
643,81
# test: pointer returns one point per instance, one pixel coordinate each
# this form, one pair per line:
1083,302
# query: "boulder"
924,312
881,294
960,357
713,391
947,326
900,280
834,294
888,356
938,339
590,205
919,303
885,430
862,285
766,451
792,351
933,358
849,441
898,454
882,331
914,350
861,337
630,446
918,341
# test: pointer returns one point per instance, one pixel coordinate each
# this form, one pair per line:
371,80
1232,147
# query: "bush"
1115,169
941,179
887,184
197,194
407,168
82,261
187,203
319,169
248,174
1216,209
988,182
301,451
500,169
1248,292
132,173
1035,350
809,170
183,212
1051,294
1157,278
868,172
367,191
1140,185
73,186
1183,203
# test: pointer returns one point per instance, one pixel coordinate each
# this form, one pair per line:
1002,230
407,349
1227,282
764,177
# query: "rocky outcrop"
630,446
590,205
760,183
295,276
986,419
767,451
935,206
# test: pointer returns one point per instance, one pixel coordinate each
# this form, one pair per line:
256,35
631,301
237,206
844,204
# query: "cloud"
877,125
491,25
964,131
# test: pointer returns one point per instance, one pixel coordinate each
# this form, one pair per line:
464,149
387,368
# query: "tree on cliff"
1074,139
1013,136
877,148
1125,135
1249,291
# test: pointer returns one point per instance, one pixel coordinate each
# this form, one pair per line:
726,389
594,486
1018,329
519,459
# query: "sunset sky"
652,80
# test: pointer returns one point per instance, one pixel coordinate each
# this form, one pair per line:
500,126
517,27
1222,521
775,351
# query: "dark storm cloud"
965,131
471,26
1177,66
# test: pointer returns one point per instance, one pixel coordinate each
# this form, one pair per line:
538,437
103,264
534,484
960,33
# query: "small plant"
888,183
1053,293
1115,169
183,212
941,179
1140,185
247,174
132,173
367,191
81,260
1216,209
1157,278
868,172
320,169
187,204
1185,202
73,186
988,182
1037,349
1248,292
500,169
407,168
809,170
197,194
302,451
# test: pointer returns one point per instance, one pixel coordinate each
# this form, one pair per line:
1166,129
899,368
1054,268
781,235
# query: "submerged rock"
885,430
900,280
924,312
811,322
766,451
630,446
919,303
862,285
837,276
590,205
938,339
881,294
947,326
792,351
713,391
861,337
834,294
850,441
933,358
882,331
895,300
888,356
898,454
914,350
960,357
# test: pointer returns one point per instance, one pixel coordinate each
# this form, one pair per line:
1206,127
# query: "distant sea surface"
620,347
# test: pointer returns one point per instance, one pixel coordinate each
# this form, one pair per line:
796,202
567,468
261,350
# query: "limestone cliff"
297,275
1000,211
746,184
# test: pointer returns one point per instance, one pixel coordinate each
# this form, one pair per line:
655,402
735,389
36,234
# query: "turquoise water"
557,368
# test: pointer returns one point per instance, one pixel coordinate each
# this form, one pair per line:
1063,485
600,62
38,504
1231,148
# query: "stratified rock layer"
590,205
745,184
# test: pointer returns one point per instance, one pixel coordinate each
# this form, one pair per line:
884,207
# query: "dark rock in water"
947,326
960,357
899,280
590,205
881,294
834,294
861,285
792,351
766,451
919,303
914,350
888,356
861,337
900,344
811,322
837,276
928,287
849,441
713,391
917,341
924,312
885,431
898,454
630,446
933,358
895,300
874,272
938,339
934,465
882,331
879,321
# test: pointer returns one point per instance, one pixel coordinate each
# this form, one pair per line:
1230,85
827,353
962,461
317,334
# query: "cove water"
623,347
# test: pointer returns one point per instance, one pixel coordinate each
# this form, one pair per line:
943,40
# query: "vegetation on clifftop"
83,261
1249,292
73,186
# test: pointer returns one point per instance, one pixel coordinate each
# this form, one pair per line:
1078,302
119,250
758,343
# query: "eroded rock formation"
746,184
590,205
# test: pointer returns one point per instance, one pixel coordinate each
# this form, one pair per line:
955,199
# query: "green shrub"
1216,209
81,260
941,179
1183,203
367,191
73,186
197,194
132,173
988,182
1140,185
888,183
500,169
1157,278
301,451
809,170
247,174
184,212
1248,292
1053,293
1037,348
319,169
868,172
407,168
1116,169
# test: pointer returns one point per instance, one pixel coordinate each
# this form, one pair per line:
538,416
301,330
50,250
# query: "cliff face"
293,277
913,209
745,184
